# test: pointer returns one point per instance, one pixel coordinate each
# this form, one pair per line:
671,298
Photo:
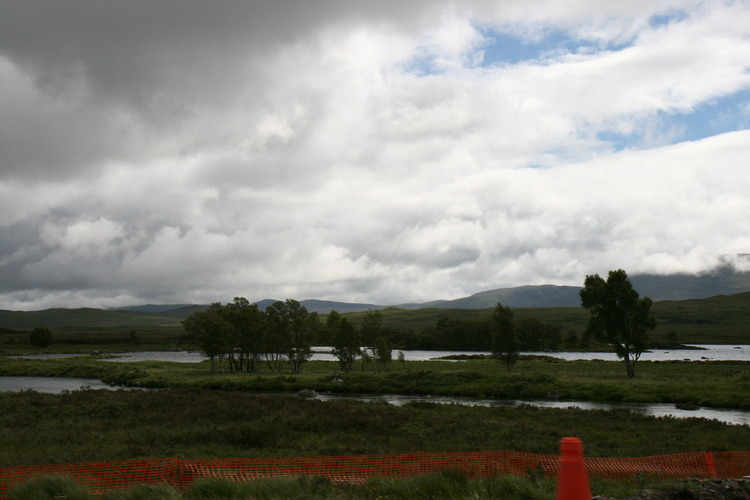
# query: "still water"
706,352
57,385
656,410
52,385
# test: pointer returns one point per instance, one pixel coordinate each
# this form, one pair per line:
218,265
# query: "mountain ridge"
723,281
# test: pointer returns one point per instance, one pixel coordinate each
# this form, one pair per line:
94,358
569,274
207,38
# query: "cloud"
187,152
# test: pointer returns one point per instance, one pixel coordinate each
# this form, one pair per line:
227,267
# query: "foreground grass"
444,486
108,425
720,384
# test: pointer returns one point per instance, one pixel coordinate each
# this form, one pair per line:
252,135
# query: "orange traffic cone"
572,480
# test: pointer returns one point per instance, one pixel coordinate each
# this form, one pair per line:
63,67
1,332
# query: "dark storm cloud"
108,78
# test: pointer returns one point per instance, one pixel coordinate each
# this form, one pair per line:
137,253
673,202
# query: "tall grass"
442,486
93,425
50,488
721,384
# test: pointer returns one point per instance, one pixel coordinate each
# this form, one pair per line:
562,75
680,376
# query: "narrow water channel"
57,385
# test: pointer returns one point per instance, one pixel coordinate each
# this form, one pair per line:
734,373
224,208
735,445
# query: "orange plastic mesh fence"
103,476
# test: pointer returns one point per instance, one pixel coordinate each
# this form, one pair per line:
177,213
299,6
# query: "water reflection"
706,352
57,385
656,410
51,385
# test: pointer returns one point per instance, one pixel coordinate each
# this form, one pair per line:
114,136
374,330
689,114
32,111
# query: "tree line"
618,317
283,335
246,338
241,337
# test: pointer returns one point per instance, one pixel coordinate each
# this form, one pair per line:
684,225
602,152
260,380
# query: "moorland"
203,413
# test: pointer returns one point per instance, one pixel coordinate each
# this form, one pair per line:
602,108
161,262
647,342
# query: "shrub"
41,337
49,488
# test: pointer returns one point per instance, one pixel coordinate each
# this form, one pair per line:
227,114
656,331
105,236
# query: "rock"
307,393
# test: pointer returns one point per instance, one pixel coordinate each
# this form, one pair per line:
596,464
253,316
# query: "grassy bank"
445,486
104,425
720,384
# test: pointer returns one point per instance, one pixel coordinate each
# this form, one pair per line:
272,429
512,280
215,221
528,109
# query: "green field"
711,384
85,426
210,414
196,423
447,485
719,320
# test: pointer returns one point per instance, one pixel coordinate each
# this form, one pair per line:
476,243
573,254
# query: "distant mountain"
674,287
153,308
325,306
522,296
724,280
88,317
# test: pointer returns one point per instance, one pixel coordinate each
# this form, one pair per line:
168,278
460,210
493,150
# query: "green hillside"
86,317
721,319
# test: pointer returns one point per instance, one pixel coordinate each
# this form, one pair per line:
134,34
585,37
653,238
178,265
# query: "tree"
505,342
536,335
41,337
294,328
248,323
371,327
344,339
383,353
619,316
211,332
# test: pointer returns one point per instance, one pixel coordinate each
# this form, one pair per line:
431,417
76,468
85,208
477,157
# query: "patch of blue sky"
665,18
511,47
505,48
726,114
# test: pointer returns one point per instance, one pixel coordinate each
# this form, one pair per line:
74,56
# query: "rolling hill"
722,281
684,301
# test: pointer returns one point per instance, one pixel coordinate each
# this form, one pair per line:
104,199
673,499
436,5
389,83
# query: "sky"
165,151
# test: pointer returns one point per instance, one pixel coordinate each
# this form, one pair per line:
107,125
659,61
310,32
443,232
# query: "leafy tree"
344,339
41,337
571,339
383,353
536,335
505,342
458,335
211,332
249,324
294,328
371,327
619,316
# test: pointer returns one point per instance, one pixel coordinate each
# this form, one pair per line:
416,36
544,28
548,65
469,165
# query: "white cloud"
363,153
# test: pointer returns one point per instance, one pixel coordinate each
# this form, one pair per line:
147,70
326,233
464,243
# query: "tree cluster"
246,338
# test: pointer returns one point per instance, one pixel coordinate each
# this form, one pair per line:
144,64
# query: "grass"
205,414
445,486
718,384
716,320
92,425
448,485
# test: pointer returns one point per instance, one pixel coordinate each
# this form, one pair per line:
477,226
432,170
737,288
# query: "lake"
707,352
